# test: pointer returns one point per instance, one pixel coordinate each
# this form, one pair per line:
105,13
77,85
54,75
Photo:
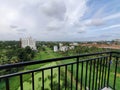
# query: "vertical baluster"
103,65
66,77
33,81
7,84
77,69
42,79
81,75
115,73
71,76
86,75
90,75
109,62
105,71
93,74
100,74
96,84
21,81
59,78
51,78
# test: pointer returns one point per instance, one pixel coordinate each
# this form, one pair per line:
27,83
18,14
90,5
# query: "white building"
71,47
28,42
74,44
64,48
55,48
117,40
60,45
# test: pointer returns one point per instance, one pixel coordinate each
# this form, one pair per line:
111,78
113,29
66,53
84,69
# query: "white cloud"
110,27
7,15
93,22
98,20
55,25
54,9
100,17
75,10
113,16
43,19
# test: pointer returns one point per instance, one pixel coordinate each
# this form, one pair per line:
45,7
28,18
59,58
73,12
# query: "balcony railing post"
21,81
105,76
109,62
65,77
103,71
59,78
96,81
51,78
86,76
81,76
7,84
42,79
77,69
115,73
90,75
33,86
100,73
93,75
71,76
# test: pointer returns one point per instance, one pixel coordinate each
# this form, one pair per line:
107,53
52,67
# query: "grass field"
38,79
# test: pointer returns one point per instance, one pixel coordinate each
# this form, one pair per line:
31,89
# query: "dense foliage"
10,52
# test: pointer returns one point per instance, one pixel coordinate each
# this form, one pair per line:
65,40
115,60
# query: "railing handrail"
44,68
20,64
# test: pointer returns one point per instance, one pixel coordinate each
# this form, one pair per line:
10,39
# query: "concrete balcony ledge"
106,88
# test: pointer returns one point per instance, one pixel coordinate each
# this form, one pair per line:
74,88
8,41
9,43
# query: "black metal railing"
82,72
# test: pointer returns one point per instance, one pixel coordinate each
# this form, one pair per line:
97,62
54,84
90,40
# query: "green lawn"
38,79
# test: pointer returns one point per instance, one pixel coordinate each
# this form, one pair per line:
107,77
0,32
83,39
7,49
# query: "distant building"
74,44
71,47
117,40
55,48
64,48
28,42
60,45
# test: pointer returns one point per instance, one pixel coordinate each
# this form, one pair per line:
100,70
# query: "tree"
25,54
28,50
21,54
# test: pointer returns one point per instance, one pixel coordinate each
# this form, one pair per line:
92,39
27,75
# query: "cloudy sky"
60,20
